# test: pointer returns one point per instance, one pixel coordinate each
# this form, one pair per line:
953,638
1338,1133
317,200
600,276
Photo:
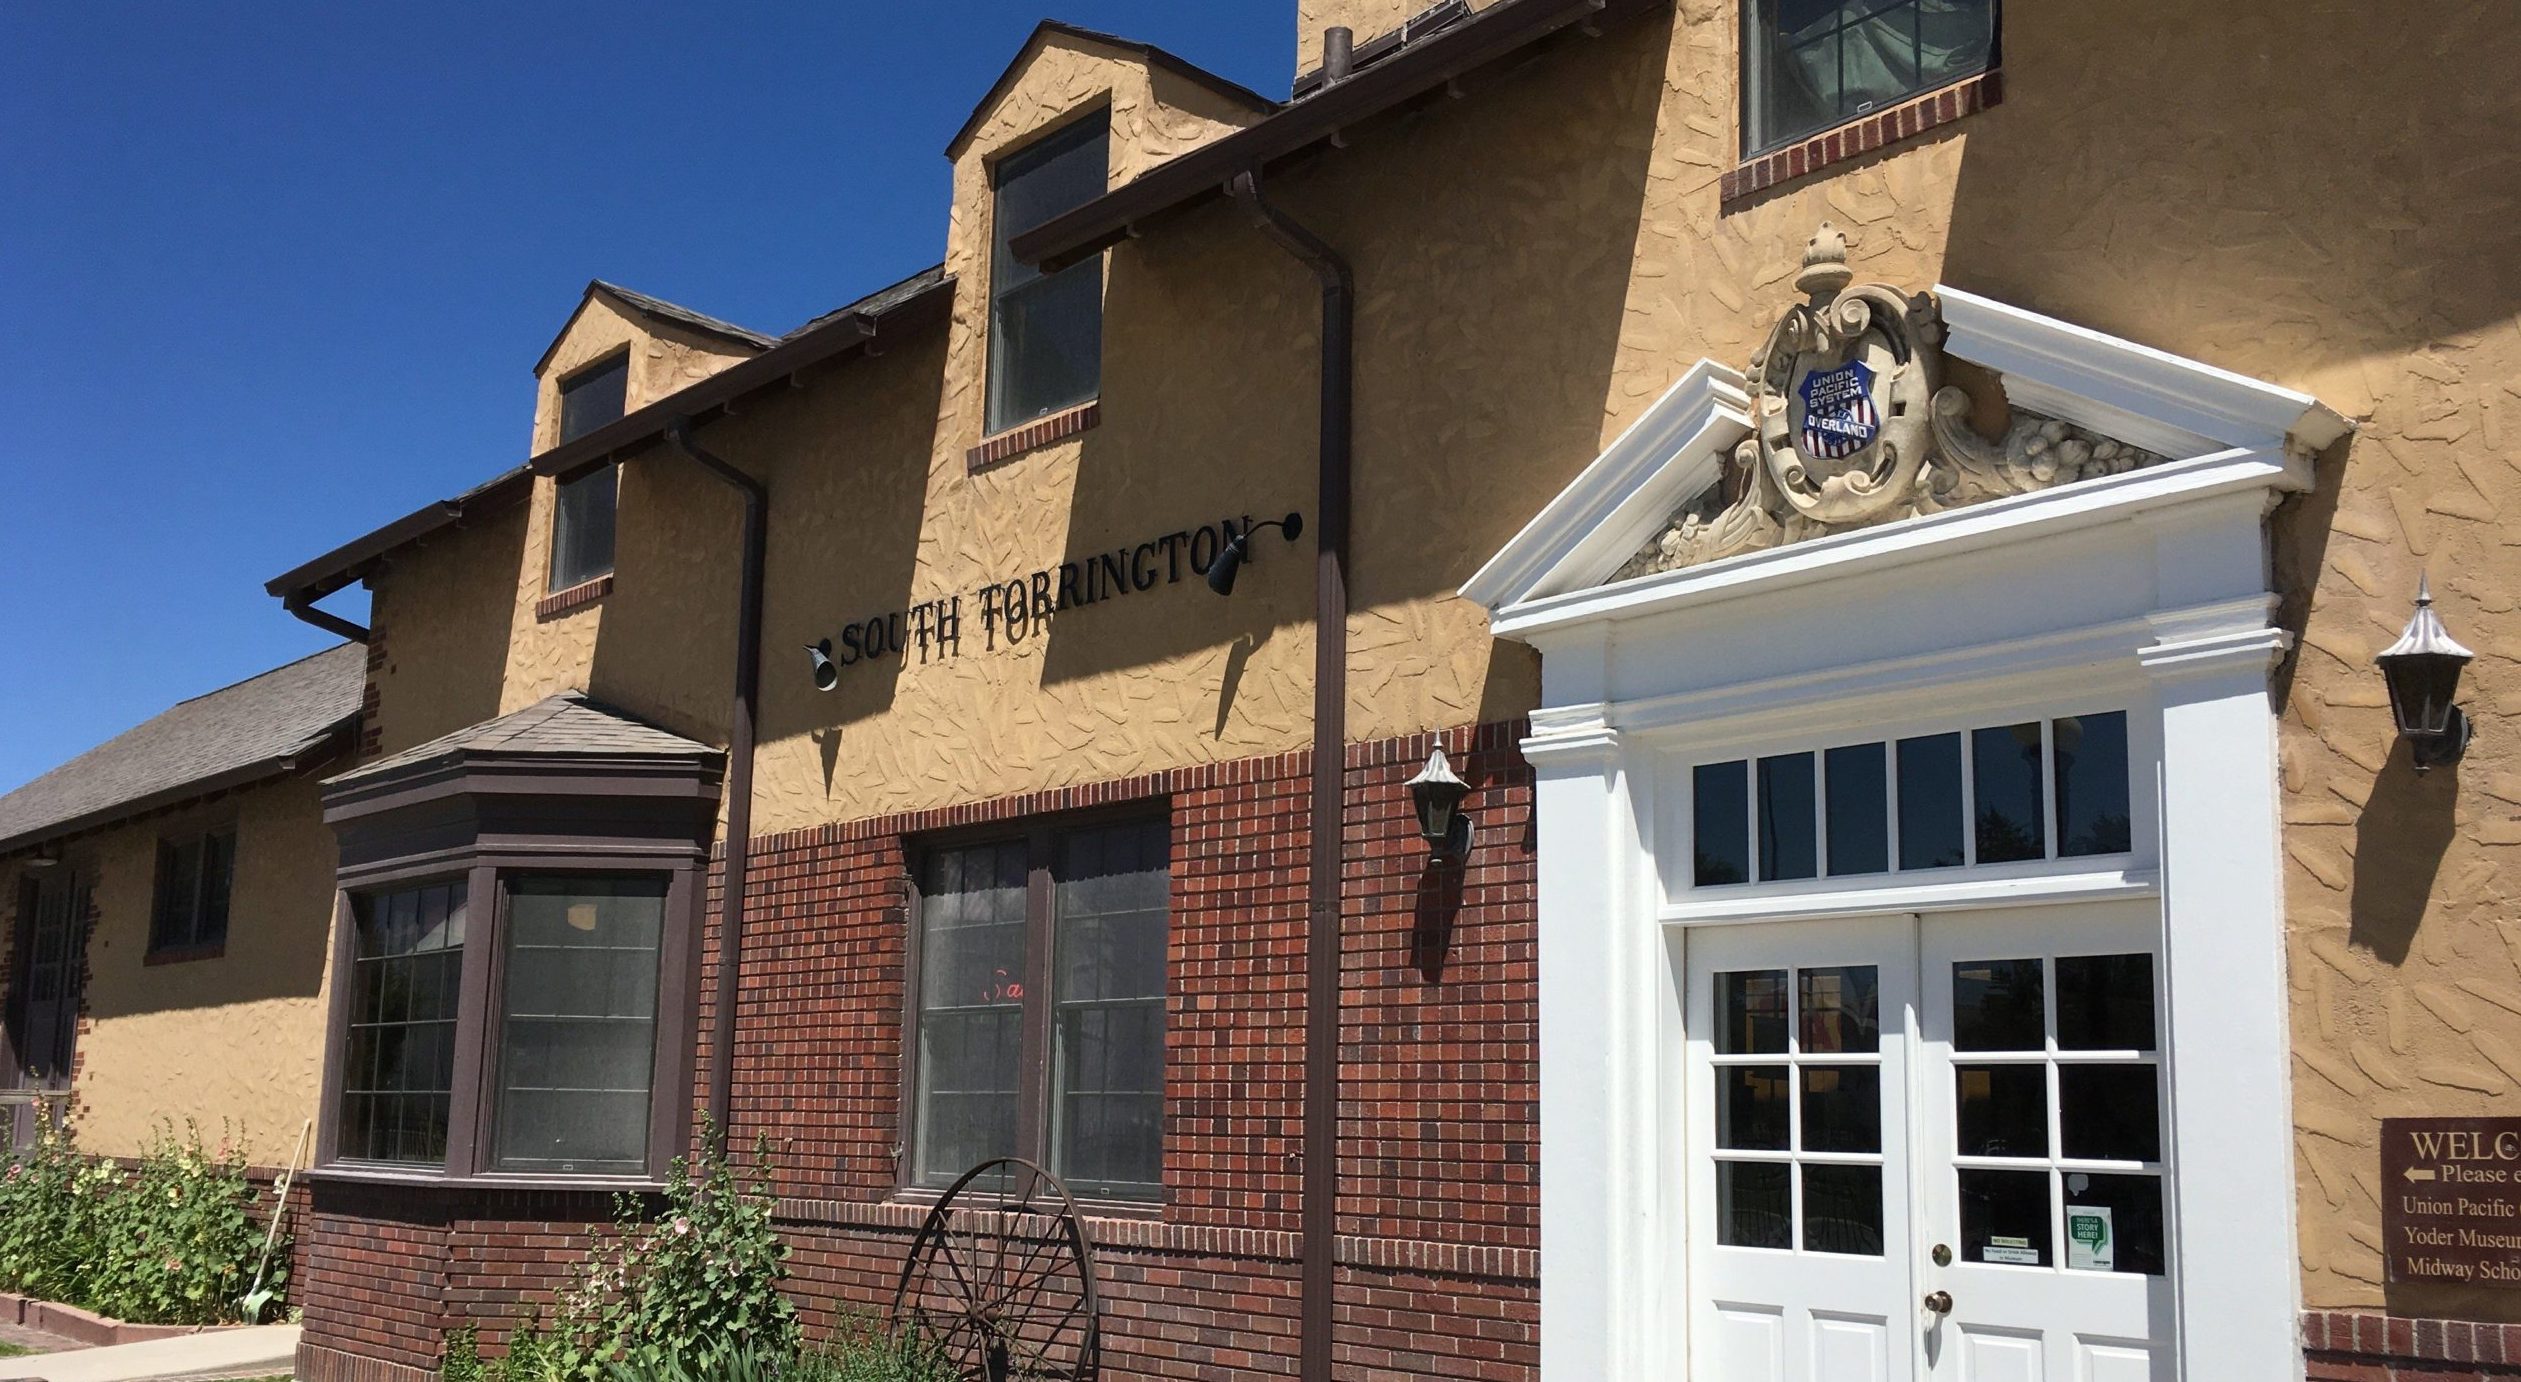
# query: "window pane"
218,875
1930,802
179,882
972,960
582,527
1751,1108
399,1061
1842,1108
1045,344
2004,1217
589,400
1810,64
2109,1113
1108,1036
1859,810
578,1058
1751,1013
2005,772
1842,1210
1842,1010
2091,755
1786,819
1752,1200
2003,1109
1999,1005
2114,1224
2105,1002
1723,816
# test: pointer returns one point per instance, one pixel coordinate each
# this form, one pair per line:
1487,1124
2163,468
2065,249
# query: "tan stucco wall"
233,1045
1536,263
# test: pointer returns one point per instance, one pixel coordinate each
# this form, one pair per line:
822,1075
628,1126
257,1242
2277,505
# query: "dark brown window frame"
556,592
1041,835
192,946
1749,52
490,820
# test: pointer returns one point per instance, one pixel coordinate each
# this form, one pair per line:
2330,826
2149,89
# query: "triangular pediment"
1871,408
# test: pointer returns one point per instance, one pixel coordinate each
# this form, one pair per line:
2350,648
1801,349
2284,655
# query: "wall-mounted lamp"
826,673
2423,672
1230,559
1438,792
44,857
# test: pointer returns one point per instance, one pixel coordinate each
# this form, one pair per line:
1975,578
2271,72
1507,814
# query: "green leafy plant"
172,1240
861,1351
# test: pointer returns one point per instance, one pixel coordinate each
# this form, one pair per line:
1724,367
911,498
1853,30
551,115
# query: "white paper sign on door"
2089,1244
2016,1252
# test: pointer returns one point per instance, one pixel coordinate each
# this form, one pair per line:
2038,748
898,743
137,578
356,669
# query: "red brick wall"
1439,1210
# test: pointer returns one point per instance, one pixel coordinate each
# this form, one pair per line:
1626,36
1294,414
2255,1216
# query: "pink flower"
175,1264
682,1226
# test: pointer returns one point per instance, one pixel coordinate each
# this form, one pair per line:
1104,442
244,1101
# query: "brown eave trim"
713,396
1418,68
322,750
348,562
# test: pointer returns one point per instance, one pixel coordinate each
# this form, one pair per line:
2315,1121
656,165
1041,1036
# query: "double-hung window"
1810,64
190,909
1045,330
1038,1005
582,509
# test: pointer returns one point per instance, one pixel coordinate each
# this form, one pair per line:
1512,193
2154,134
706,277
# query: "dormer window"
1811,64
1045,330
582,511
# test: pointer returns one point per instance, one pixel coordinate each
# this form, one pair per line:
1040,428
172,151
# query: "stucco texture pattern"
233,1044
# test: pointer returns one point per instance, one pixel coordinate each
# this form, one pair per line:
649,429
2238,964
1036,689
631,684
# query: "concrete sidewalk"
261,1351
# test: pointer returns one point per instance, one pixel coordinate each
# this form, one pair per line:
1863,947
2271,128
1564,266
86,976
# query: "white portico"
1910,961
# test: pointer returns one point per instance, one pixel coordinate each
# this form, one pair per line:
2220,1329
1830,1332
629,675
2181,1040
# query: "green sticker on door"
2089,1246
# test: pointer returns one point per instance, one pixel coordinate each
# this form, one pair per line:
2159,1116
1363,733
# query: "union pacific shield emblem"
1839,418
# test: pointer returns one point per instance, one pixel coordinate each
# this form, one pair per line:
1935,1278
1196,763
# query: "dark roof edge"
321,749
650,305
1146,52
914,302
928,293
1489,35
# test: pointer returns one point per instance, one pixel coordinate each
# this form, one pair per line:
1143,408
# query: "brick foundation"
2360,1346
1439,1210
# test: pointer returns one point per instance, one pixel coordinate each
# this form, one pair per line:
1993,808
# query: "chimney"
1339,54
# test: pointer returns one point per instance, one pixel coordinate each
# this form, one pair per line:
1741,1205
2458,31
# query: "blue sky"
274,274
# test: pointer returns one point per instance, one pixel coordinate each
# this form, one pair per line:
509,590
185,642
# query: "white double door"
1929,1150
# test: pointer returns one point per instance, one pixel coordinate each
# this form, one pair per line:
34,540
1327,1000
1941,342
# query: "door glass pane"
1930,802
1751,1013
1753,1204
1842,1010
578,1056
1842,1210
2109,1112
1722,810
1786,819
1751,1108
1859,810
1842,1108
2005,772
1998,1005
2114,1224
2105,1002
2004,1217
2091,757
2003,1109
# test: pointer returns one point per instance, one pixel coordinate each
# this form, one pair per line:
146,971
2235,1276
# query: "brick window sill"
421,1178
997,450
184,954
576,597
1864,135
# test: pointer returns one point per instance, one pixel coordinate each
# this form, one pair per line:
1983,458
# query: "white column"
1598,1110
2230,1056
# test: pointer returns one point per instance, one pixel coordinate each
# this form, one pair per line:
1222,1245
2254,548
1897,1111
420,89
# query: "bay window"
1037,1001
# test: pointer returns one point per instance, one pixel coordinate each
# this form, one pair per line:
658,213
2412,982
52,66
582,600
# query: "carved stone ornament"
1853,426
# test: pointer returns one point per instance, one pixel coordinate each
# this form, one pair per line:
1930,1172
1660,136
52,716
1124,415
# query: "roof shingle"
568,723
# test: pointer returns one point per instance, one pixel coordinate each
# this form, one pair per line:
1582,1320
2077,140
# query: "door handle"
1940,1302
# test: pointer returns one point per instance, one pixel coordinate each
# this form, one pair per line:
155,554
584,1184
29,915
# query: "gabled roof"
566,725
1147,53
640,304
285,719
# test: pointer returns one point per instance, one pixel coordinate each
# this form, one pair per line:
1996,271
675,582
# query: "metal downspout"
330,623
748,669
1330,732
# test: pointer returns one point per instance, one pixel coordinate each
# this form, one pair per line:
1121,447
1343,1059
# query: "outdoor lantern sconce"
826,672
2423,672
1438,792
1239,546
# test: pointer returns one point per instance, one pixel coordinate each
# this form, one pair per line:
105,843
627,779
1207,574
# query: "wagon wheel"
1001,1279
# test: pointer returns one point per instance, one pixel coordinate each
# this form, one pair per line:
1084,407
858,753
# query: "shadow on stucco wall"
2400,837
